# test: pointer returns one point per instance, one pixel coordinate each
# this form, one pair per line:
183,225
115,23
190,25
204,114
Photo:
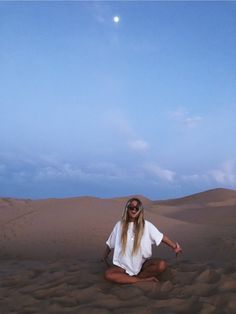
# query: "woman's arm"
174,245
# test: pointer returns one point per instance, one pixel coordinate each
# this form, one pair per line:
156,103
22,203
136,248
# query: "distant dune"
50,256
214,195
80,225
216,207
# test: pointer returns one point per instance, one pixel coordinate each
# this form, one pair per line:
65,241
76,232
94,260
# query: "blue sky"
93,107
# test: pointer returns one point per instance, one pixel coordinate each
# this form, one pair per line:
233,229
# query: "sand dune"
215,207
214,195
50,256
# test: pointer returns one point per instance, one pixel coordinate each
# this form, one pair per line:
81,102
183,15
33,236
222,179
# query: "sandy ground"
50,256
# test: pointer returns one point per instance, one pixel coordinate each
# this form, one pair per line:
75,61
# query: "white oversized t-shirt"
132,264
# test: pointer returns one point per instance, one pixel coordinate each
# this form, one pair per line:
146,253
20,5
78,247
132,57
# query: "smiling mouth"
134,212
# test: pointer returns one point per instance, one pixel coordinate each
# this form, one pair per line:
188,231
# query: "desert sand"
50,254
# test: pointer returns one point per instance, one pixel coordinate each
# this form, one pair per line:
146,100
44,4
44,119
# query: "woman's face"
133,211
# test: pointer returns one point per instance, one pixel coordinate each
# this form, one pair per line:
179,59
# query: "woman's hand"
178,249
174,245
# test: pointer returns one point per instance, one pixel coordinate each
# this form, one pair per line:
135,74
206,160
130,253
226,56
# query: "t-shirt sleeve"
112,238
155,235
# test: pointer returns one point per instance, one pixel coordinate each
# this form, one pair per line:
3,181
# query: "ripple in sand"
198,289
208,309
177,305
184,278
217,301
126,292
16,280
208,276
132,310
65,301
86,295
57,291
167,286
228,285
232,304
92,310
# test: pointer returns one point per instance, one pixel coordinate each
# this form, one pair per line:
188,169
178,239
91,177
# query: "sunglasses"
133,208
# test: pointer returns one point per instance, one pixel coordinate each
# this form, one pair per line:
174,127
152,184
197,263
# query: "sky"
96,106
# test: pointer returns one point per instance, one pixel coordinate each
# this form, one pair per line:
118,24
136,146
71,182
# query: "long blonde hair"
138,226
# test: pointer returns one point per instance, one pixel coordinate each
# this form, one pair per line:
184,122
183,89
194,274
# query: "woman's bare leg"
118,275
152,268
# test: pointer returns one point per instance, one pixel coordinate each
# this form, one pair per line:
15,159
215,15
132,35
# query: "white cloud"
116,121
88,172
105,169
193,121
161,173
44,170
197,179
138,145
191,177
65,171
226,174
181,115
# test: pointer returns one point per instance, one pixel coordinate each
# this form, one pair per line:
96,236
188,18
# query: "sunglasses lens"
133,208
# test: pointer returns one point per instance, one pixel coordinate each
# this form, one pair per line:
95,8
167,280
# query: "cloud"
91,172
52,172
161,173
191,177
116,121
181,115
138,145
226,174
106,169
31,173
25,169
193,121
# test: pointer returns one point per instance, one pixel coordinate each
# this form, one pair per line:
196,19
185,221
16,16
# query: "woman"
132,240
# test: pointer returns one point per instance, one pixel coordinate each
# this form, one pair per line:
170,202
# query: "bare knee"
162,265
109,275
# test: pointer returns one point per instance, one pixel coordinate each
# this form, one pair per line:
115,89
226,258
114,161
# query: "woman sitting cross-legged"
132,240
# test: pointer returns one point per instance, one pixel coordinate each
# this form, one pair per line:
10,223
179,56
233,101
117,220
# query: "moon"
116,19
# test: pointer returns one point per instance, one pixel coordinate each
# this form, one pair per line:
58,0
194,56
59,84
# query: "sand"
50,256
